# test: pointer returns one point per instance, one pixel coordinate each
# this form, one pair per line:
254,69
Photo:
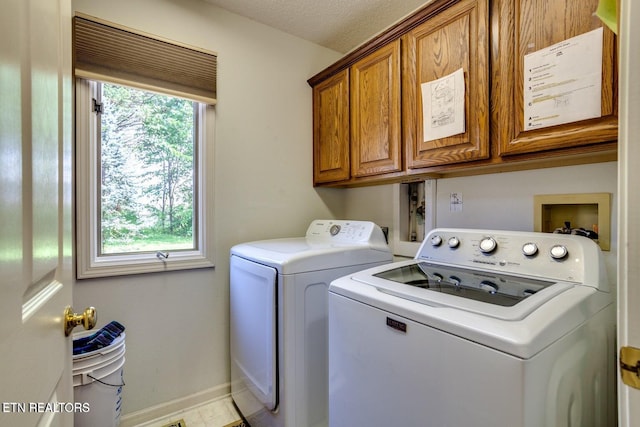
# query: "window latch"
96,106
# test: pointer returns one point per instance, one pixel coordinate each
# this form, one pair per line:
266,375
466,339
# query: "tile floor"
217,413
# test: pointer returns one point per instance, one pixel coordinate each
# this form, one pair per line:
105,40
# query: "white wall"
177,323
501,201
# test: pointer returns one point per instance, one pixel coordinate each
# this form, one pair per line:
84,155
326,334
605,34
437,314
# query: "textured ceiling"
340,25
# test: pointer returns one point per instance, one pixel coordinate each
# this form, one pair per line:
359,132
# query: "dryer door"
253,334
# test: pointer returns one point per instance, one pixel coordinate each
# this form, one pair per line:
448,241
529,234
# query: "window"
142,180
146,168
144,131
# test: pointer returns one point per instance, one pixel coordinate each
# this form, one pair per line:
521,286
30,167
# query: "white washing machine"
483,328
278,318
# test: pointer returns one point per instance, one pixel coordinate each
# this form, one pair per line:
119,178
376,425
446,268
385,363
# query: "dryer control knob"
558,252
453,242
436,240
488,245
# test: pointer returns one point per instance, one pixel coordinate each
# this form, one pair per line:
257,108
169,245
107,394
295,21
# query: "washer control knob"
453,242
558,252
436,240
489,286
335,229
529,249
488,245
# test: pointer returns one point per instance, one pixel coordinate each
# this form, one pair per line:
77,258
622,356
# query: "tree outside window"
147,171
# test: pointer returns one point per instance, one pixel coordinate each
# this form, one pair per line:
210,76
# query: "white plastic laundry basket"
98,382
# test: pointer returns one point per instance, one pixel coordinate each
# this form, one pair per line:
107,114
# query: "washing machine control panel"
556,256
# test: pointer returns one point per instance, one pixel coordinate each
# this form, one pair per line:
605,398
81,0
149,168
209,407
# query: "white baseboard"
167,408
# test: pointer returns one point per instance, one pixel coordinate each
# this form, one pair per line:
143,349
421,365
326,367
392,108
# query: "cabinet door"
375,112
331,129
521,27
455,38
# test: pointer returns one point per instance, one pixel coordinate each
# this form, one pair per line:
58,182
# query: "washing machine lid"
491,294
299,255
522,329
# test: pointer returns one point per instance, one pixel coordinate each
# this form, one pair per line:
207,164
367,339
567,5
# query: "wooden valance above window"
108,52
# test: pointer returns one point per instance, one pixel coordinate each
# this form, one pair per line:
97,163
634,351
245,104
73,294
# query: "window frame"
90,263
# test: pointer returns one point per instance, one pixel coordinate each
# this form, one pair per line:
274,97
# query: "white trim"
174,406
90,264
628,201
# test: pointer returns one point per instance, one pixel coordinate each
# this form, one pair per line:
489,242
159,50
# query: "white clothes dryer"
483,328
278,318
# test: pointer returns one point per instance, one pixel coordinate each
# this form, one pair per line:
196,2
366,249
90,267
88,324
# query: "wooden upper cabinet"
331,129
375,113
455,38
522,27
368,120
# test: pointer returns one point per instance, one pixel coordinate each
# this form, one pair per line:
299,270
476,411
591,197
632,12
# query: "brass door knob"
87,319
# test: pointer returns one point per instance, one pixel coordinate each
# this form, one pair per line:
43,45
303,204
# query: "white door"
629,203
35,212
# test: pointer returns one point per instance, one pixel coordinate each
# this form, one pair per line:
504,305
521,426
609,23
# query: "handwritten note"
443,106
